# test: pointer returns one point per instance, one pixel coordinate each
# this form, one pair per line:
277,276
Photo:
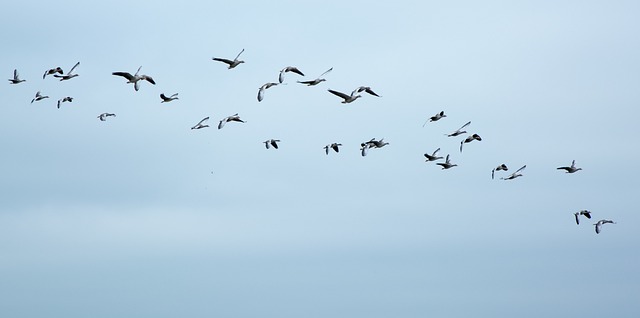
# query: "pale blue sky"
139,216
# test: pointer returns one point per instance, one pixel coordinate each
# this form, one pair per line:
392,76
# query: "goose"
231,63
316,81
135,78
103,116
200,124
264,87
69,74
446,164
347,98
333,146
600,223
515,174
502,167
65,99
288,69
586,213
470,139
227,119
459,131
38,97
571,169
365,89
432,157
435,117
16,78
166,99
271,143
52,71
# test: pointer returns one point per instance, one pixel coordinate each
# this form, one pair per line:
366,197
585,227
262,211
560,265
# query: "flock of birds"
138,78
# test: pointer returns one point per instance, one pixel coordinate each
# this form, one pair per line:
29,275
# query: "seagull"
166,99
271,142
288,69
65,99
333,146
199,125
135,78
435,117
470,139
502,167
432,157
316,81
446,164
515,174
16,78
571,169
231,63
347,98
69,74
365,89
233,117
38,97
583,212
600,223
103,116
52,71
459,131
263,88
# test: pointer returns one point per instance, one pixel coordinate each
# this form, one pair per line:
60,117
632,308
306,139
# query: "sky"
140,216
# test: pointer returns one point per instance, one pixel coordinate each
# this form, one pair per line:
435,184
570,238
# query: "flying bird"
586,213
16,78
52,71
435,117
38,97
227,119
200,124
333,146
263,88
446,164
288,69
231,63
135,78
432,157
600,223
166,99
571,169
459,131
470,139
65,99
347,98
515,174
271,143
103,116
316,81
365,89
501,167
69,74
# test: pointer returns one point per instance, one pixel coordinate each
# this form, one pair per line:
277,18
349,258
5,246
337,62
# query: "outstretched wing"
73,68
237,56
342,95
465,125
126,75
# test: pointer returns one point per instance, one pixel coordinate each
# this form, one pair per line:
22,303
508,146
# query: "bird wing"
202,121
307,82
577,218
461,143
294,70
73,68
237,56
126,75
222,60
281,76
368,90
165,98
261,93
465,125
136,85
493,172
598,227
522,168
587,214
573,164
149,79
274,143
342,95
138,71
222,122
325,72
15,74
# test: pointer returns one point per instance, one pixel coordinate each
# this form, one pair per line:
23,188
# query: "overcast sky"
140,216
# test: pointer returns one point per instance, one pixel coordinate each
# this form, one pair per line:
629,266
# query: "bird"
16,78
365,89
502,167
446,164
288,69
316,81
347,98
135,78
435,117
231,63
432,157
515,174
227,119
38,97
586,213
271,143
470,139
166,99
378,143
571,169
65,99
52,71
200,125
459,131
103,116
600,223
264,87
69,74
333,146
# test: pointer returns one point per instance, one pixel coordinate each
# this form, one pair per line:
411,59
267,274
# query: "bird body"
264,87
166,99
446,164
103,116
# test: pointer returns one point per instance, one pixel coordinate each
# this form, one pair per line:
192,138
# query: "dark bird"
501,167
65,99
103,116
316,81
53,71
586,213
446,164
571,169
432,157
38,97
515,174
201,124
135,78
459,131
435,117
264,87
470,139
271,143
288,69
346,98
166,99
333,146
16,78
600,223
69,74
225,120
231,63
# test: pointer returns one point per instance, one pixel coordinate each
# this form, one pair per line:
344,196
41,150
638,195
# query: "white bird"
571,169
365,89
515,174
200,124
586,213
135,78
347,98
600,223
432,157
316,81
227,119
459,131
65,99
264,87
435,117
502,167
38,97
446,164
271,143
166,99
231,63
52,71
16,78
69,74
333,146
288,69
470,139
103,116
